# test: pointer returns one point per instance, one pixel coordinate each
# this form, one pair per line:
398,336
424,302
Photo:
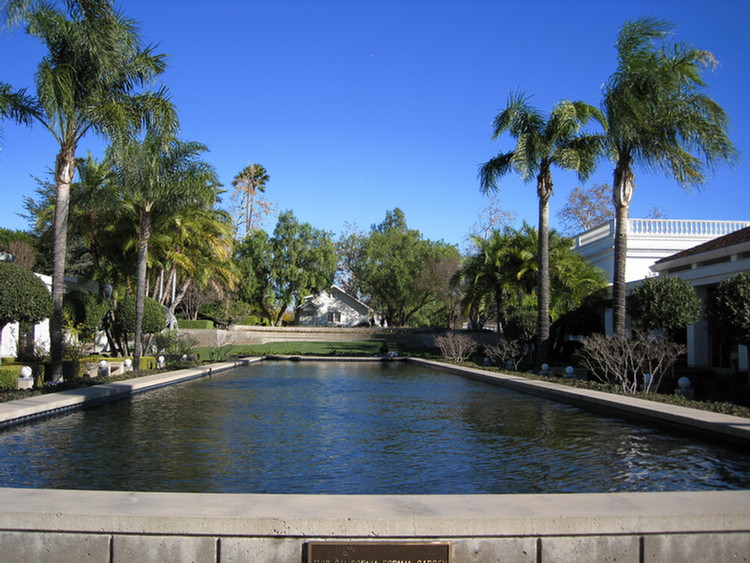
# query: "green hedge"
9,378
200,323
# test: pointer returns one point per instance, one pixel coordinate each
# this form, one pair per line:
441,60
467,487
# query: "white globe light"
26,371
128,362
103,364
545,367
684,383
570,370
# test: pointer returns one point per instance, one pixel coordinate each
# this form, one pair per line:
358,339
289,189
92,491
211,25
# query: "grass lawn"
357,348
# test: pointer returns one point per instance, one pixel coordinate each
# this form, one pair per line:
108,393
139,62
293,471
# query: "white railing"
683,228
605,230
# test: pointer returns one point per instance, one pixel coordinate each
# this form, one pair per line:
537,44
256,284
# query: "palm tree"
16,104
247,184
87,82
541,143
198,251
658,117
159,174
492,273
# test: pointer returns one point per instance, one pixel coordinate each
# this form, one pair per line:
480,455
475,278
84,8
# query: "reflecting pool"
355,428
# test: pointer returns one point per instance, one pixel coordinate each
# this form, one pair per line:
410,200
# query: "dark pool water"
355,428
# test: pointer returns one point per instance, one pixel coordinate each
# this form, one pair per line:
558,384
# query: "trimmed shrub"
9,378
154,318
663,302
24,297
199,324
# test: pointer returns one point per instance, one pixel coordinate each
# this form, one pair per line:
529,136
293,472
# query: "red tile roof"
737,237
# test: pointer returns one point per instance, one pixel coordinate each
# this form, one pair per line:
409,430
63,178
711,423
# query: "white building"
649,240
703,267
334,307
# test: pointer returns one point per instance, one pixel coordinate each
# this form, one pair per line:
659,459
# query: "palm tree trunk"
544,190
65,168
622,193
140,292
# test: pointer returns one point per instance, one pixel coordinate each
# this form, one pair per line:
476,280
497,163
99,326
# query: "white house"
334,307
703,267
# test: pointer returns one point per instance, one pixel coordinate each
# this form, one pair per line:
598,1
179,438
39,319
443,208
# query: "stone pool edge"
710,424
110,526
21,410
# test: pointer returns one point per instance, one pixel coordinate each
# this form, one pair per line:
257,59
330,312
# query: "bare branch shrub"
627,362
507,353
455,347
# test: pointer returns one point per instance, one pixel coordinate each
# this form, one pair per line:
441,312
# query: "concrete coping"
20,410
716,425
374,515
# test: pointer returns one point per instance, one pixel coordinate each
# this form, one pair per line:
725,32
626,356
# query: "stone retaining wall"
113,527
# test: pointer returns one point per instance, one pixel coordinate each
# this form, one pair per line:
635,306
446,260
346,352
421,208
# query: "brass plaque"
378,552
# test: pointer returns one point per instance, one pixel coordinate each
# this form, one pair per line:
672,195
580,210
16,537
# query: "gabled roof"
308,300
736,237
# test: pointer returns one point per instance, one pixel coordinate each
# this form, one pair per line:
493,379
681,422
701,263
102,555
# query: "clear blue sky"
356,107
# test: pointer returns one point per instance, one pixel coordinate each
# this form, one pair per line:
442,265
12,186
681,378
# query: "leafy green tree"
24,297
543,142
664,302
660,118
303,262
160,175
151,321
254,259
197,250
489,276
87,81
398,271
728,310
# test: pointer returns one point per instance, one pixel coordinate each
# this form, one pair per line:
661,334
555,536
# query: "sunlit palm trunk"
622,193
144,233
544,190
63,177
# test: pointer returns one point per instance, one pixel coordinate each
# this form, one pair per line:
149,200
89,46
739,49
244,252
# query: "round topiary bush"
23,296
663,302
154,318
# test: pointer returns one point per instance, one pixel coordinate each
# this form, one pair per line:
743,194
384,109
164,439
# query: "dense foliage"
154,319
664,302
277,271
23,296
729,310
401,274
500,276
